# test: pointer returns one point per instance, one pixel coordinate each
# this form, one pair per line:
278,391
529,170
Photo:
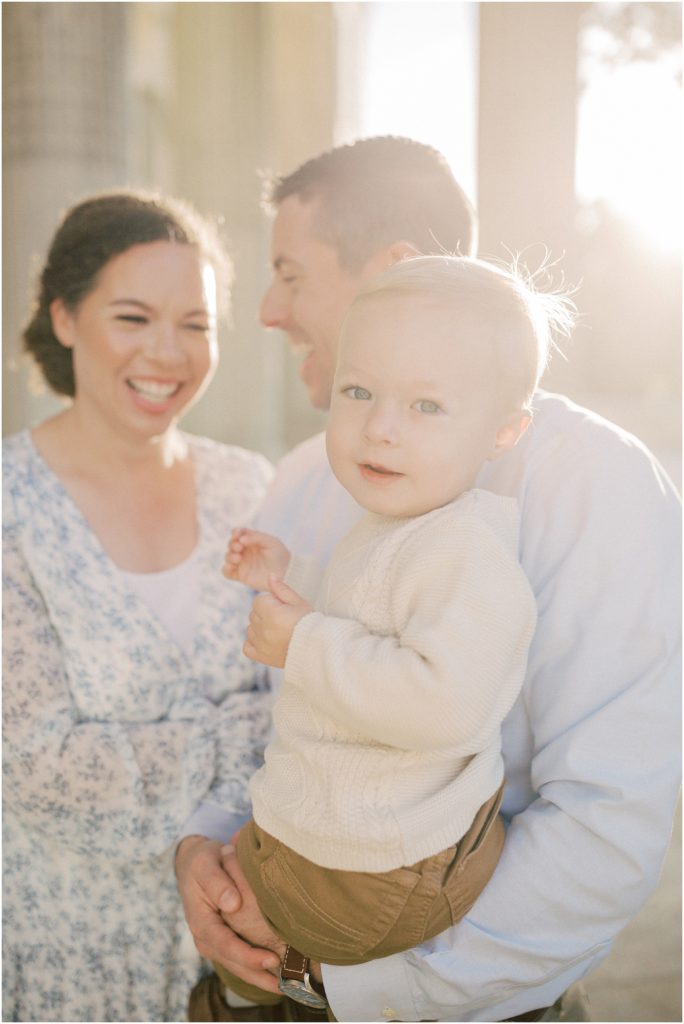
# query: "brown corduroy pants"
349,917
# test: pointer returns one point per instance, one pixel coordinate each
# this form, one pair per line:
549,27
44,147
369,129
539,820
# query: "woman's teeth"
154,391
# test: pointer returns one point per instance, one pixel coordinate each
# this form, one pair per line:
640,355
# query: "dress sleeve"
466,615
242,724
112,788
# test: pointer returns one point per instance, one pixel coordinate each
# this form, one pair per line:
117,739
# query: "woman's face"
144,338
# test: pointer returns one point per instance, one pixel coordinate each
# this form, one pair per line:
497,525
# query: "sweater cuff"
304,575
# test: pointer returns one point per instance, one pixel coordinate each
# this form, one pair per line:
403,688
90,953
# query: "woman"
127,701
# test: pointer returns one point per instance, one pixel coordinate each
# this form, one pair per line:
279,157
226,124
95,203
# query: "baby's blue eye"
425,405
360,394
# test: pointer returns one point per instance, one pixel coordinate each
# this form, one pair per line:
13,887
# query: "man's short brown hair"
381,190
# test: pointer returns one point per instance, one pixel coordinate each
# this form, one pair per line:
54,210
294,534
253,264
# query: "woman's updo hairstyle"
90,234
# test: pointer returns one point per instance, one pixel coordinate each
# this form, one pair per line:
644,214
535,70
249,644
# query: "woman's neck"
73,445
137,495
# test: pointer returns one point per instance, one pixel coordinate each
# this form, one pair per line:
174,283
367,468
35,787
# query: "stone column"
528,104
253,91
64,135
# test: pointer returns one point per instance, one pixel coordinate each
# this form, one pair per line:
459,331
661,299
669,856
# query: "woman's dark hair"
90,234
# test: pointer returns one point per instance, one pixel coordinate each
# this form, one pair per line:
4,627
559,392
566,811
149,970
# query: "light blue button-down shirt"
591,747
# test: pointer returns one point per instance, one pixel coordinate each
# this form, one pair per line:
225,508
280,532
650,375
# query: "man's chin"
319,402
318,392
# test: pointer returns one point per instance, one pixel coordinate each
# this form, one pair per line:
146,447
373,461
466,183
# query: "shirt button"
388,1013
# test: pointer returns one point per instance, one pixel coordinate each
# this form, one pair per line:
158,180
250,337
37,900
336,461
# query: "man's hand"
207,892
248,921
271,623
252,556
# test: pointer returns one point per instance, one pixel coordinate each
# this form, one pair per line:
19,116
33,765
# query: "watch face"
297,990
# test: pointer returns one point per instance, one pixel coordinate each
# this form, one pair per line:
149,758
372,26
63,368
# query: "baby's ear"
510,433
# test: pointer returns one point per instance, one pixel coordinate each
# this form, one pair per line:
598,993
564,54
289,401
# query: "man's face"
309,294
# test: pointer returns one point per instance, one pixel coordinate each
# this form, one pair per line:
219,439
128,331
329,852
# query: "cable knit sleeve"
462,617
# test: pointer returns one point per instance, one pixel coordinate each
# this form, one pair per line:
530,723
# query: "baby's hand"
251,557
271,623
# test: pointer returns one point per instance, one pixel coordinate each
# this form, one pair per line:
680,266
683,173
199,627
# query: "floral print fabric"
112,736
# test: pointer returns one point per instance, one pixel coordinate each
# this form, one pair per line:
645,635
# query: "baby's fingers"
231,563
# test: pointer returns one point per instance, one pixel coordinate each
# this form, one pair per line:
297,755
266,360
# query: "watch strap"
297,983
295,965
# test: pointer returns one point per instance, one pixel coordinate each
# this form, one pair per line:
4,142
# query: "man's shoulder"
308,457
304,474
558,417
306,506
577,439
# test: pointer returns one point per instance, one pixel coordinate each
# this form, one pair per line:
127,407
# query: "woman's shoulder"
221,458
231,480
16,451
18,471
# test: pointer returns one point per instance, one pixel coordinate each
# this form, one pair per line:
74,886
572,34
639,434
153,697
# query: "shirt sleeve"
602,705
213,822
242,724
466,616
96,787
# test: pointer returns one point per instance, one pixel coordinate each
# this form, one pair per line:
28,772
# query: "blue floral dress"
112,736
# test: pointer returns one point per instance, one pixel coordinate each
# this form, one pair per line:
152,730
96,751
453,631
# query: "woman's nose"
165,344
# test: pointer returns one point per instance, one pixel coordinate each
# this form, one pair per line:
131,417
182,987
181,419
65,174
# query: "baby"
376,820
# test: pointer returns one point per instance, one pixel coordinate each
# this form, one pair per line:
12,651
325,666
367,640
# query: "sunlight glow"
629,151
419,78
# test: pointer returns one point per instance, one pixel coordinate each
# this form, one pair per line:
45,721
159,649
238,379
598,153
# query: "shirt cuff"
377,990
213,822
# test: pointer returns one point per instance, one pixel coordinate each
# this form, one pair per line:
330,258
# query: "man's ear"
386,257
510,433
62,323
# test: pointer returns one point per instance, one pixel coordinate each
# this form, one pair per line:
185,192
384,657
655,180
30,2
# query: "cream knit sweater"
388,721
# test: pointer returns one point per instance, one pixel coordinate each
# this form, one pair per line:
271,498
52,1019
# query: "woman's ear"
62,323
510,433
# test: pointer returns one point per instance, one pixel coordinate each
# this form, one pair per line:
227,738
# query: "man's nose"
275,306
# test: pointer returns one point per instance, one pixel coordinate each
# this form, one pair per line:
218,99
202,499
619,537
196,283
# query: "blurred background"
562,121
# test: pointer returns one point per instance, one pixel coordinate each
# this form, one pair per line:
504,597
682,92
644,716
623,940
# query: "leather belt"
531,1014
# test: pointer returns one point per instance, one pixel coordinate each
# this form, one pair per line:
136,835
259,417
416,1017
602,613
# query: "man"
591,748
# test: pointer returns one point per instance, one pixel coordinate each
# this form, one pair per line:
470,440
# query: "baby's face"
414,412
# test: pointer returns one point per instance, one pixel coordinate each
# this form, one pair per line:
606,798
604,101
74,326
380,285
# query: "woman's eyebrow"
200,311
130,302
280,261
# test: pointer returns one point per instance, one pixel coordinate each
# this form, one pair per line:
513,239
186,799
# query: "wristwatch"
296,982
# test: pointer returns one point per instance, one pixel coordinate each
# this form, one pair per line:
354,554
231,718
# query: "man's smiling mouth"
300,348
